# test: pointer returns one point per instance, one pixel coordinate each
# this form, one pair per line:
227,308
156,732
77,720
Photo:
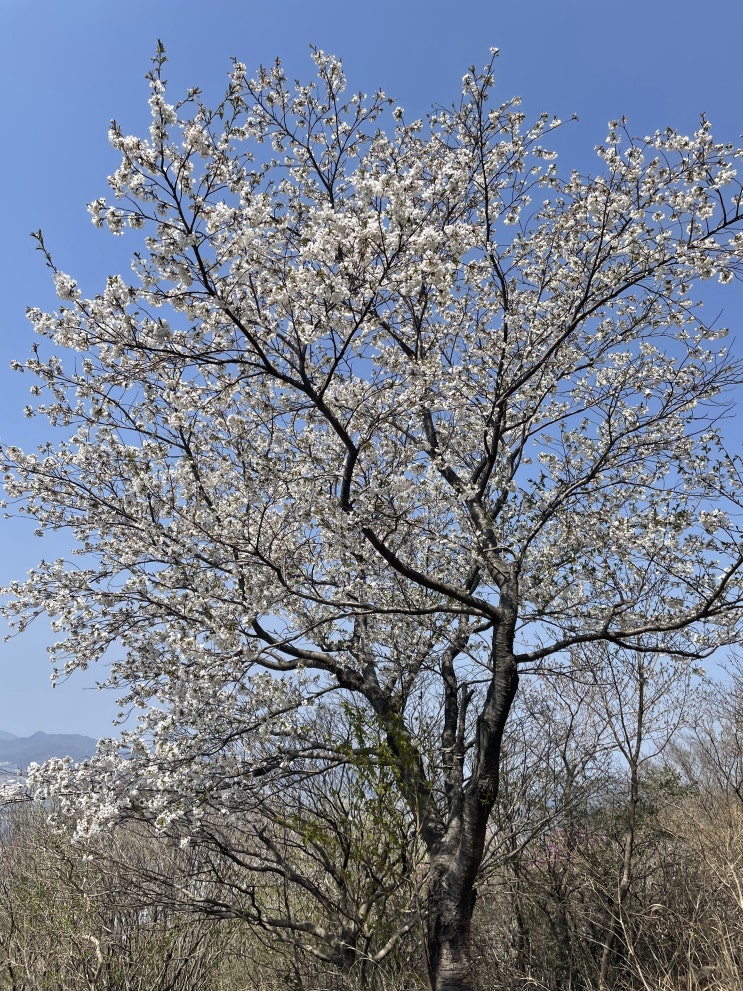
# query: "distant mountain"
20,751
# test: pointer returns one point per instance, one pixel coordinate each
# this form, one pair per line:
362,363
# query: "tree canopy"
388,412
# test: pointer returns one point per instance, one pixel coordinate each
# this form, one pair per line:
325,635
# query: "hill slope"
20,751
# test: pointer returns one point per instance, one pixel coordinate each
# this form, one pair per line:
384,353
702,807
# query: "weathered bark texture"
456,861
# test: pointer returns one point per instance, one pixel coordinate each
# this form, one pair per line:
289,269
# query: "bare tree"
329,865
69,921
644,701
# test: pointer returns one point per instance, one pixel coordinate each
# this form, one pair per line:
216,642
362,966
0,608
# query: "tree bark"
454,866
451,902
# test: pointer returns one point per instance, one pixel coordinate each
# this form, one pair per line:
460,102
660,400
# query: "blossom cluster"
371,395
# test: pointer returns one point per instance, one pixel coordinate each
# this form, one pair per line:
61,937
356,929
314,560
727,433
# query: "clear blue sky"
67,68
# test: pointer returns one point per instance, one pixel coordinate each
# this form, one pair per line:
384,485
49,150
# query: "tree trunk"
625,880
450,904
628,839
455,865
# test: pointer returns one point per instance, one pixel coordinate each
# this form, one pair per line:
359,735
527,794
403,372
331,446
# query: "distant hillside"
20,751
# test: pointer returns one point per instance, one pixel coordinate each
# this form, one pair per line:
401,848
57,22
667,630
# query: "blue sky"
67,68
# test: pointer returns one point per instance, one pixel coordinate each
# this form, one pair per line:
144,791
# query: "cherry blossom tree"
388,411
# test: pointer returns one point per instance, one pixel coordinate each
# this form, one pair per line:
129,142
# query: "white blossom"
385,403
